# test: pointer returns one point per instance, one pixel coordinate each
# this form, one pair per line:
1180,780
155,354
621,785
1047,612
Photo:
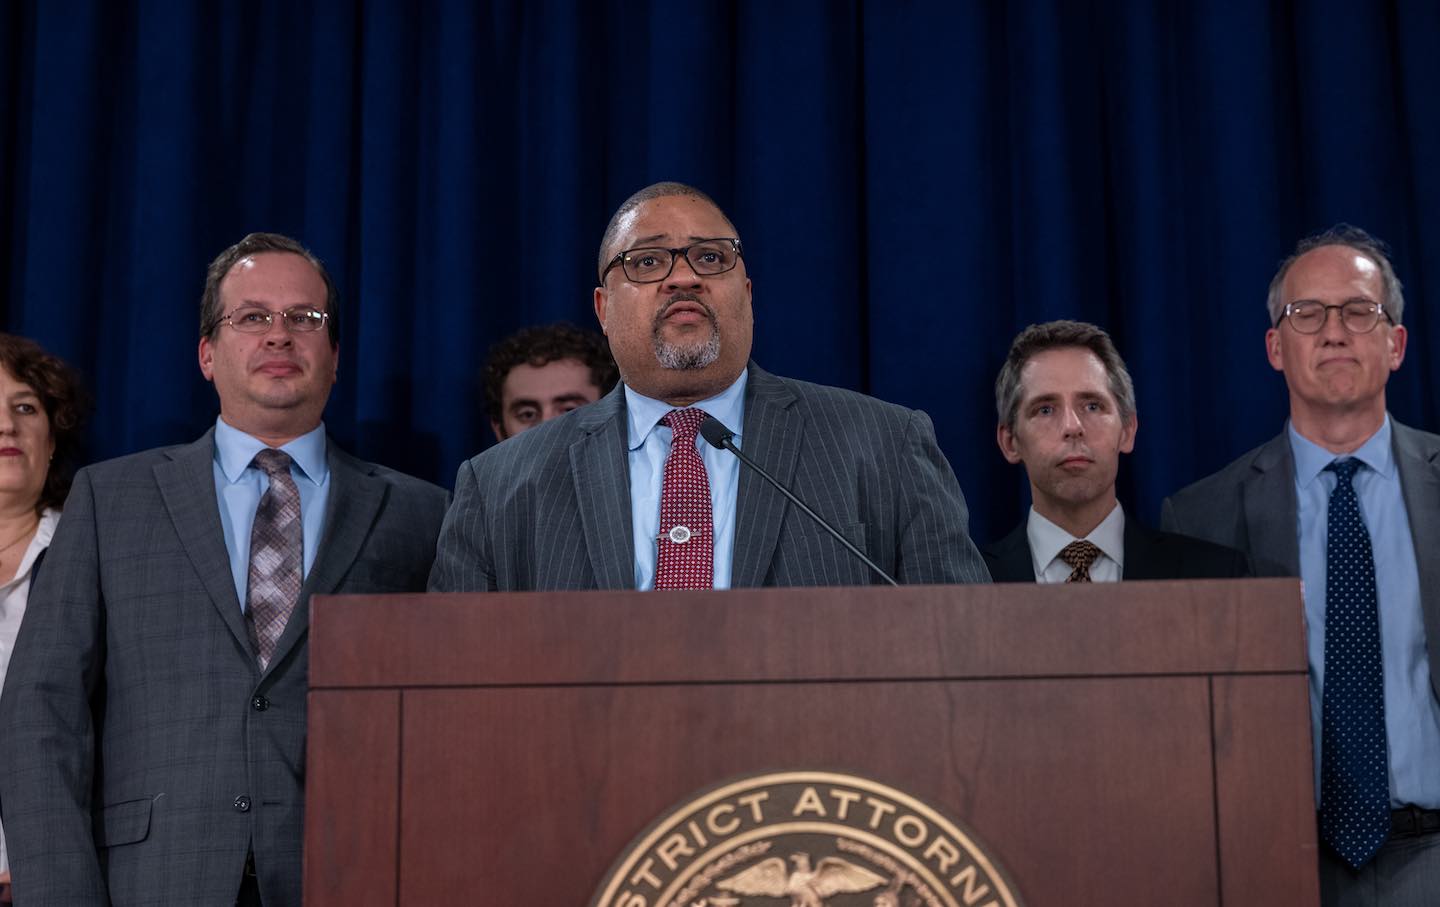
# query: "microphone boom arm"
719,436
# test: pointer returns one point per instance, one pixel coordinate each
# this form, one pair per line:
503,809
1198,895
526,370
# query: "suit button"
242,804
259,703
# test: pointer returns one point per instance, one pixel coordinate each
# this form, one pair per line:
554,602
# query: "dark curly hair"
66,403
542,345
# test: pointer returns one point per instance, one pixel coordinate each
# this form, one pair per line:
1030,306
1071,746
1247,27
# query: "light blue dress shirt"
649,444
1412,716
239,487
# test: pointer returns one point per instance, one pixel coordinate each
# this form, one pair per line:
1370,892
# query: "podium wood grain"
1142,743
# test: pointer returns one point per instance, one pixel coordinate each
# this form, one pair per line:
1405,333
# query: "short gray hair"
650,193
1051,335
1350,237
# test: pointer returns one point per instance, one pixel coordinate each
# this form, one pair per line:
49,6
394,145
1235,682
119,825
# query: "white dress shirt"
1047,541
14,596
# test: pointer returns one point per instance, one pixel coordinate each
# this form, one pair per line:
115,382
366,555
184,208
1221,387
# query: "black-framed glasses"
707,257
1359,316
254,319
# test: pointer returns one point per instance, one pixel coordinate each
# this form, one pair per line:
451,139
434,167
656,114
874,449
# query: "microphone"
715,432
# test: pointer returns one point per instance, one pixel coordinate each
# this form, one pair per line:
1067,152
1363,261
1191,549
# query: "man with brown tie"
1066,408
153,744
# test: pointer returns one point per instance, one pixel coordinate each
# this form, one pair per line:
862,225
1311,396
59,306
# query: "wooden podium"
1114,744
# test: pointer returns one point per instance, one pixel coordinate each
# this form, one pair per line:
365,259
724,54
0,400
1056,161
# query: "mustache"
684,297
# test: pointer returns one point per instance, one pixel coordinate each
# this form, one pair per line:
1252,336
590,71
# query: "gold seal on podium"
818,839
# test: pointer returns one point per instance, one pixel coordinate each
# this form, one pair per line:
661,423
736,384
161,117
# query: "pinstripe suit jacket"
550,508
135,718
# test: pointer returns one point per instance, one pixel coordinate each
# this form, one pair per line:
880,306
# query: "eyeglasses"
707,257
254,319
1358,315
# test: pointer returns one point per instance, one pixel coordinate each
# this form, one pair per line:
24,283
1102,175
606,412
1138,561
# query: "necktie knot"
1080,555
276,556
685,424
685,559
1344,469
272,462
1354,780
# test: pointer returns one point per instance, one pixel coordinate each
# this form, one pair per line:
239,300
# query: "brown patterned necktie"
1079,555
686,556
276,541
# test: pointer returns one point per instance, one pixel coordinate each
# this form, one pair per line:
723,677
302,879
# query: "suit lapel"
351,508
187,486
1145,557
1270,508
1011,560
600,471
1419,465
773,435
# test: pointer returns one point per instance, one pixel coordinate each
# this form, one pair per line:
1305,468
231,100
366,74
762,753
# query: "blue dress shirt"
239,487
1412,716
649,444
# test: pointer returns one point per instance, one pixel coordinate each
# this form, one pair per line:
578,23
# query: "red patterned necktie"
686,557
276,540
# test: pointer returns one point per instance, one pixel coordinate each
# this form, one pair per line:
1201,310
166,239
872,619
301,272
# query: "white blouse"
14,595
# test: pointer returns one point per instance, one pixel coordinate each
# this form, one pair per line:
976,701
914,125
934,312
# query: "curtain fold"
914,181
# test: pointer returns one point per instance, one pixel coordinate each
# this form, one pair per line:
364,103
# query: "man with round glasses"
1348,499
625,493
164,654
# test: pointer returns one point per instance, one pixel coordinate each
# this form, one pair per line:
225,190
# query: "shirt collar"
1311,459
44,532
1047,539
646,412
234,450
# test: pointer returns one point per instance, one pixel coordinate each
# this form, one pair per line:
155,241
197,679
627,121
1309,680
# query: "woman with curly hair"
42,409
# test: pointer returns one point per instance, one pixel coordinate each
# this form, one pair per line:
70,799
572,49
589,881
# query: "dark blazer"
1149,554
550,508
144,752
1251,505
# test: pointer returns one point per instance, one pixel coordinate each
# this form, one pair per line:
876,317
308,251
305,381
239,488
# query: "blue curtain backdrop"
914,182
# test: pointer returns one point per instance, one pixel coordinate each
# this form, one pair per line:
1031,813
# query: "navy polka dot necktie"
1354,785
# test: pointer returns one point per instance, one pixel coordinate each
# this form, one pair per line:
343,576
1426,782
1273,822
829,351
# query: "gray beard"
692,356
685,358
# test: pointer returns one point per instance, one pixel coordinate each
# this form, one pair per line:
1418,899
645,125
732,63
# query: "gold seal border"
672,820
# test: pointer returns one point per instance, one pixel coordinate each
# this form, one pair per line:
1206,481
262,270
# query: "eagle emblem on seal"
804,885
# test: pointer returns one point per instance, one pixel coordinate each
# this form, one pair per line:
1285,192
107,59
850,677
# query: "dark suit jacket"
144,752
1149,554
550,508
1251,505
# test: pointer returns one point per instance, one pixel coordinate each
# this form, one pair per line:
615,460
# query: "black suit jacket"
1149,554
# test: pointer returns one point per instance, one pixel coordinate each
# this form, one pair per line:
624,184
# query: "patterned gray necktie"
276,541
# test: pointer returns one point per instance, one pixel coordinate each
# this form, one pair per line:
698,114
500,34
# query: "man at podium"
627,494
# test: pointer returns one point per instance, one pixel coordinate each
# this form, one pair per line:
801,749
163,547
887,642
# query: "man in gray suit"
1348,500
601,499
152,729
